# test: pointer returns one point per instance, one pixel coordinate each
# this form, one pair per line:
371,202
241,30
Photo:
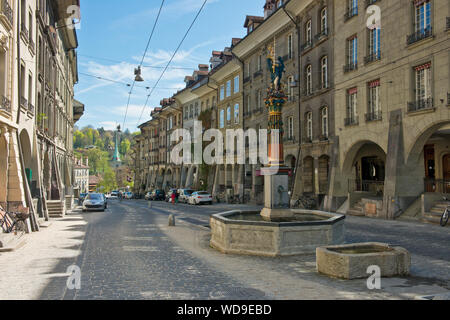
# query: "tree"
125,147
78,139
108,181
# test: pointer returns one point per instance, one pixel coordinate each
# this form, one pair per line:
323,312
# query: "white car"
200,197
95,202
184,195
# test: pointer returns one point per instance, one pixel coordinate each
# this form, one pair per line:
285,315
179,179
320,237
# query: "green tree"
125,147
108,181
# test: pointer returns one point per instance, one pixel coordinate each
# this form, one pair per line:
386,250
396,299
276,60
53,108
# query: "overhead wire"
171,59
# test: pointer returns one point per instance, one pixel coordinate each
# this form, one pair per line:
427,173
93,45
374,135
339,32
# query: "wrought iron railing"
24,102
439,186
350,67
257,73
7,11
5,104
323,33
374,56
351,121
374,116
30,108
24,31
419,35
370,2
448,23
351,12
373,186
306,45
419,105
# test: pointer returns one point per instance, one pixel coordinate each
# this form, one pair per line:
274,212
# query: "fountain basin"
351,261
246,232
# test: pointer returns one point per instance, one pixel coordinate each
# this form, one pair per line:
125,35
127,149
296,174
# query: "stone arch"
415,151
351,152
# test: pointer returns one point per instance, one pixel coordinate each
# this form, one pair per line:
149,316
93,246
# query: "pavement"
129,252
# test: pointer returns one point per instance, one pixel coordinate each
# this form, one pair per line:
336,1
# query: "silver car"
94,202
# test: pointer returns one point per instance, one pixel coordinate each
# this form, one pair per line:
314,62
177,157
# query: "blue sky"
117,31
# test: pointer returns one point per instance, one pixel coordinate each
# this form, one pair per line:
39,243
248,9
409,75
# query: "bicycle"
13,221
307,203
445,215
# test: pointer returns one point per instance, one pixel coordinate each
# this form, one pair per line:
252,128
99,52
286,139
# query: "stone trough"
352,261
246,232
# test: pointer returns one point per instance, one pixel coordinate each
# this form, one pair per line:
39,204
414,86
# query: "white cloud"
173,10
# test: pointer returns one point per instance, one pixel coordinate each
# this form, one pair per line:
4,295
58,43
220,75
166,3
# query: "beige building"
227,78
81,176
392,108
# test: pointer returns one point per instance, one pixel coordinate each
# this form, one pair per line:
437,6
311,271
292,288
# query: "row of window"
236,111
225,90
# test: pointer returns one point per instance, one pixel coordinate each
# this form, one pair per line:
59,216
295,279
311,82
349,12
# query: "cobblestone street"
128,252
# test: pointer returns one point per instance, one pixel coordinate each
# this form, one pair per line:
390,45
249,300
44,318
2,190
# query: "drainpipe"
243,118
299,60
19,91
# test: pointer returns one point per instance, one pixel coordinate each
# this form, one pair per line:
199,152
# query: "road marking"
140,249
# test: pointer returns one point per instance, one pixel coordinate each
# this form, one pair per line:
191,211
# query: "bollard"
149,204
171,220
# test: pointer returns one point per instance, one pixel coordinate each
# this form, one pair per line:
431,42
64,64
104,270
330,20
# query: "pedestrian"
173,197
177,196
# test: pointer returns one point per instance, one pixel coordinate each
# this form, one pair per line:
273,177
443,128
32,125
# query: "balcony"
30,108
32,45
372,57
5,104
258,73
324,137
307,45
289,140
24,102
419,36
448,24
351,12
321,35
420,105
6,13
247,79
351,121
24,32
374,116
370,2
350,67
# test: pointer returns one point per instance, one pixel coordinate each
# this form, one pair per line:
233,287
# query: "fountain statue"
276,174
277,230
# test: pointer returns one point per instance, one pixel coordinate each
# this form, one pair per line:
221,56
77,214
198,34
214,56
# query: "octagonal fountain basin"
352,261
246,232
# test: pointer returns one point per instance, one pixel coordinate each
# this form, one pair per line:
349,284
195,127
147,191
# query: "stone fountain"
277,230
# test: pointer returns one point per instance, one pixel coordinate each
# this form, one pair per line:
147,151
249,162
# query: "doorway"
446,172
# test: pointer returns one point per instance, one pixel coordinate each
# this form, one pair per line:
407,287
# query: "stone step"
431,219
442,206
438,211
353,212
44,224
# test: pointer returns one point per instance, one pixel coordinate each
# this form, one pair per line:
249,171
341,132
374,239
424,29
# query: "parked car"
128,195
158,195
114,195
81,198
169,194
94,202
200,197
184,194
148,195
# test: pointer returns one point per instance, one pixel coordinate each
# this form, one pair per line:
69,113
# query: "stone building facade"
391,106
367,123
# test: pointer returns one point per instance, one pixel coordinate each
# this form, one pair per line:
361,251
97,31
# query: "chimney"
269,8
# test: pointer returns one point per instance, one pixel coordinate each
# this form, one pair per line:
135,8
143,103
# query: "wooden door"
446,172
